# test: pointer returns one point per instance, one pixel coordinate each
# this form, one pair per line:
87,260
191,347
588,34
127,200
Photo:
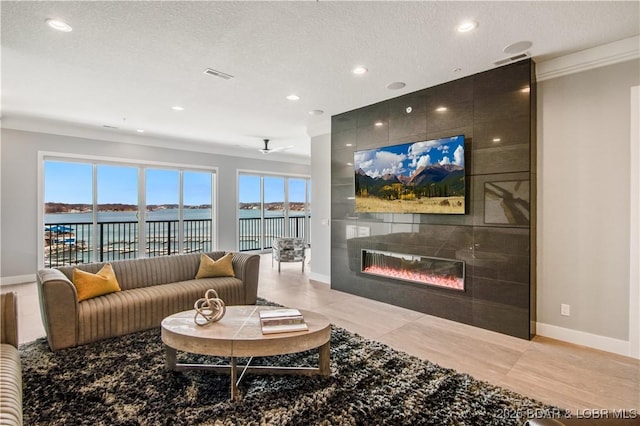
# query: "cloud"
419,148
458,156
445,160
424,161
378,163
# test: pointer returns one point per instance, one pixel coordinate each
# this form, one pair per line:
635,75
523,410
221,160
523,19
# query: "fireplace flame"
447,281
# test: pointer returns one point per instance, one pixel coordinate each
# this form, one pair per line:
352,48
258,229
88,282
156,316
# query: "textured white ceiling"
126,63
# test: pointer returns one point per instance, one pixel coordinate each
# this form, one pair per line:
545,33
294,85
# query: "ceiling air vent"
510,59
217,73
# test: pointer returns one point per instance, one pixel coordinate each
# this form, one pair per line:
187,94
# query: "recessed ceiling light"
467,26
140,130
349,164
359,70
349,144
496,139
396,85
316,112
59,25
378,123
525,90
408,110
177,108
293,97
441,109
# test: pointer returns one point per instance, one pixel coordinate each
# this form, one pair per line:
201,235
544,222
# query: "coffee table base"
232,367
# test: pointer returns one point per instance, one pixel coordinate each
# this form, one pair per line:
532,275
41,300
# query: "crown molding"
607,54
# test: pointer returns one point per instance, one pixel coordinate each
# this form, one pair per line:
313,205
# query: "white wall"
584,202
321,207
19,173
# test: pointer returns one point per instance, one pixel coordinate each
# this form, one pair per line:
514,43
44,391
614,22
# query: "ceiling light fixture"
525,90
59,25
467,26
359,70
378,123
496,139
441,109
316,112
140,130
396,85
177,108
408,110
293,97
349,164
349,144
457,69
517,47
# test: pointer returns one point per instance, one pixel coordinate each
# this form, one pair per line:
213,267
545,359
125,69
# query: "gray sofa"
152,288
10,367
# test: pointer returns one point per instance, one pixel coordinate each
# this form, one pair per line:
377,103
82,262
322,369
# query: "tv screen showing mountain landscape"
419,177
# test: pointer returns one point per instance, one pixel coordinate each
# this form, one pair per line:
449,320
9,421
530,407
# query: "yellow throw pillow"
90,285
210,268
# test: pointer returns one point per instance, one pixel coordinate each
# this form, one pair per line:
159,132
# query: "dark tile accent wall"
496,114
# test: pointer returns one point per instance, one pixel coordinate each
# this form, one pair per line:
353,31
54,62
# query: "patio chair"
288,250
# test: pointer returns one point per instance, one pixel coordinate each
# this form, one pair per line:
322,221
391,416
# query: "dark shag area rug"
123,381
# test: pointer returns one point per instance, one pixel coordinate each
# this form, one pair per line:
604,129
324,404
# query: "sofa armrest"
59,308
246,267
9,319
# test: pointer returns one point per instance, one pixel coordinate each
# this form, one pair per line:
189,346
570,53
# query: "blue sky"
71,183
405,159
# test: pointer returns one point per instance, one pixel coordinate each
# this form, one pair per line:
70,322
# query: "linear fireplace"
433,271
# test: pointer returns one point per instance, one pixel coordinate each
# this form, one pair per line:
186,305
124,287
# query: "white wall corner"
607,54
634,226
603,343
320,128
319,277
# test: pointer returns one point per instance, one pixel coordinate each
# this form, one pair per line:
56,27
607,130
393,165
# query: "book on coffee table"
282,321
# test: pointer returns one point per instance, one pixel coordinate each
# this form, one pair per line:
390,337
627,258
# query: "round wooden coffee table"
238,334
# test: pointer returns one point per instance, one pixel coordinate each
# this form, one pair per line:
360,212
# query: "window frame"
142,166
286,176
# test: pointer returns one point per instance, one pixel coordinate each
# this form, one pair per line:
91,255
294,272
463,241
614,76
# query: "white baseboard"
17,279
603,343
319,277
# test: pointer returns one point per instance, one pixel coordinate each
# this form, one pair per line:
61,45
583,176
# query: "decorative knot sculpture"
210,307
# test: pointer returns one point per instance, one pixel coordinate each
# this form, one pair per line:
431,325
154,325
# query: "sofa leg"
278,266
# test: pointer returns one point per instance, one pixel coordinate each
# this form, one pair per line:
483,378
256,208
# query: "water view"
69,237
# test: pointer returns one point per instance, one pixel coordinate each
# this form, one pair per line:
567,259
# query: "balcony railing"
252,239
72,243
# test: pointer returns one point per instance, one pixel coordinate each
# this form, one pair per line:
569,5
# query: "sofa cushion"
90,285
146,272
117,314
210,268
10,385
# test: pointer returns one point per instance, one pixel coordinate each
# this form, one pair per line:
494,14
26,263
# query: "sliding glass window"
271,206
104,211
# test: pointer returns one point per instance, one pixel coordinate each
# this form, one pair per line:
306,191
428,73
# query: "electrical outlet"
565,310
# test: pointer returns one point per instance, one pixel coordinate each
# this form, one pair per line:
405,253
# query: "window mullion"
142,212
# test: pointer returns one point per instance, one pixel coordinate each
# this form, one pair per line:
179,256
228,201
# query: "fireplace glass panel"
433,271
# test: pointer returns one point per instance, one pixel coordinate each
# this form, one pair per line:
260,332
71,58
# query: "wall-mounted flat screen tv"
419,177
